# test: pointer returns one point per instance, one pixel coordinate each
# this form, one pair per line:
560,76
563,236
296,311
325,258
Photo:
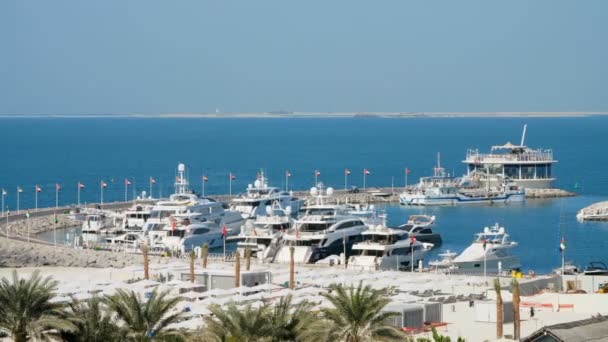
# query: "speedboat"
259,196
385,248
184,235
596,268
95,223
262,236
322,231
421,227
491,248
129,238
446,261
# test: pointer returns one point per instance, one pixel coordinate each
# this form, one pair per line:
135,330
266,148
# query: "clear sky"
159,56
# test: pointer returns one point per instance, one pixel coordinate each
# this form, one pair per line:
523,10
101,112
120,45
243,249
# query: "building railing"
473,156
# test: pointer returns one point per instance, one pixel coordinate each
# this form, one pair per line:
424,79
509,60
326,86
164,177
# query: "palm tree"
26,310
235,324
205,254
146,320
292,266
93,322
247,258
237,270
516,299
499,305
288,321
145,251
192,257
356,316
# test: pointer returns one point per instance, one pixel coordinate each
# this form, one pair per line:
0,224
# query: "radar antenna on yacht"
181,182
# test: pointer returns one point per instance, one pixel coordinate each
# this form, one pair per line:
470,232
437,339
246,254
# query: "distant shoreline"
301,115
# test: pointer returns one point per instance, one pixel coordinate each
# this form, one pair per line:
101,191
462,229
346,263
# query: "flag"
347,172
19,189
297,234
152,181
127,183
57,187
232,177
173,224
366,172
317,173
103,184
80,185
38,189
412,239
562,245
205,179
176,179
224,232
287,174
407,171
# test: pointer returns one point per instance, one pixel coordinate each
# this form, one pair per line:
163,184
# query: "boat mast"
523,135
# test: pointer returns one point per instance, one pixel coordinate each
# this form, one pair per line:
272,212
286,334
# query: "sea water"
67,151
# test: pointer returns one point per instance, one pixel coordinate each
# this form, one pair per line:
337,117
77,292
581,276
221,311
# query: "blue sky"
152,56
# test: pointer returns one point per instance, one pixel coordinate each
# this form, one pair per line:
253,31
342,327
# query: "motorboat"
259,195
491,251
135,217
596,268
323,230
130,238
385,248
262,236
421,228
446,261
184,236
95,223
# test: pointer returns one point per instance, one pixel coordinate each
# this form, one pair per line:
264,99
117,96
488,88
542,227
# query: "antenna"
438,159
523,135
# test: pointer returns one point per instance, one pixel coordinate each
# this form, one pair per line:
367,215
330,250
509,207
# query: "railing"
474,156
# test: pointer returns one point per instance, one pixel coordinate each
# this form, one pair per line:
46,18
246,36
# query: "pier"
595,212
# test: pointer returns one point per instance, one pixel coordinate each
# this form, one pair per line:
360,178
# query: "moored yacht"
421,228
262,236
135,217
259,196
491,250
323,230
385,248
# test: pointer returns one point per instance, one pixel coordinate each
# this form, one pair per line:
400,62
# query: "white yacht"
196,209
185,234
528,168
135,217
492,248
443,189
263,235
259,196
421,227
385,248
323,230
94,223
446,261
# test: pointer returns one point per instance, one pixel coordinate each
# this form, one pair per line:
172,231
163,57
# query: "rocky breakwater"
35,225
595,212
548,193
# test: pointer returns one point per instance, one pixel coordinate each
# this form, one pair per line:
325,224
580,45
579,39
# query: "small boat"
596,268
446,261
569,269
96,223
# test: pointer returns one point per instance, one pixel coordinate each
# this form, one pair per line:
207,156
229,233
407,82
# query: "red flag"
347,172
176,179
205,179
173,224
80,185
127,183
224,232
232,177
103,184
317,173
297,234
287,174
484,244
366,171
407,171
152,181
38,189
412,239
57,187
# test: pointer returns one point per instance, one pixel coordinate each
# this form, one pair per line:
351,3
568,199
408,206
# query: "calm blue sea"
46,151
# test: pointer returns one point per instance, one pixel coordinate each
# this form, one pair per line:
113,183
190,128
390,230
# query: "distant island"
288,114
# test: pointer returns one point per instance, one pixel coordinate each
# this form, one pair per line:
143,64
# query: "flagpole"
345,180
286,182
2,202
27,223
364,176
56,196
36,190
412,263
78,194
17,200
230,189
126,193
316,182
101,192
